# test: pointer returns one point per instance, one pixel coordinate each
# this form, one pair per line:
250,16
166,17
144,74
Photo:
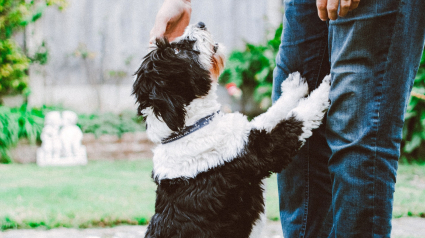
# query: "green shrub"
413,145
252,71
109,123
26,122
9,131
30,121
17,123
13,67
14,63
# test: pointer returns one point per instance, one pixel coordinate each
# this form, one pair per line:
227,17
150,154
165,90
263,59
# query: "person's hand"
328,9
172,18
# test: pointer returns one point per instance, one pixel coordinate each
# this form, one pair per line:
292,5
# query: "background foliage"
18,123
252,71
13,67
14,63
110,123
413,145
26,122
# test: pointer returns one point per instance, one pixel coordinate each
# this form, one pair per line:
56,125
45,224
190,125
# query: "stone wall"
130,146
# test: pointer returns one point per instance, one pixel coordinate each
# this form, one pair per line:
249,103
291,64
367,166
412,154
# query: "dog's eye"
176,50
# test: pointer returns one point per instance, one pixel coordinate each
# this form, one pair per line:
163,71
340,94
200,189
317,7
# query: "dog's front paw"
322,92
312,109
295,85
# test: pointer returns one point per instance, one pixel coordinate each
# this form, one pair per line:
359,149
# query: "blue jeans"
341,184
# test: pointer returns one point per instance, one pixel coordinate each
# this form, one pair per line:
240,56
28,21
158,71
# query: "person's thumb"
158,30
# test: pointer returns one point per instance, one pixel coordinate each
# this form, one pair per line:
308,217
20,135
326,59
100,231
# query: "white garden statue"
61,141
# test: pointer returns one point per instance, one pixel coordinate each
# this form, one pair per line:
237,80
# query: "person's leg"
305,185
375,52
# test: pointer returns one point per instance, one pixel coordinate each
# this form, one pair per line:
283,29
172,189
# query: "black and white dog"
209,165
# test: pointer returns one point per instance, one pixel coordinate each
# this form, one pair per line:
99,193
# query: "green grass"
409,197
103,193
108,193
272,198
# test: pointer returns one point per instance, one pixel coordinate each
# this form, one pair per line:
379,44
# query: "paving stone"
402,228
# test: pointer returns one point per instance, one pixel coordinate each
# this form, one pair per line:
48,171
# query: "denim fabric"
341,184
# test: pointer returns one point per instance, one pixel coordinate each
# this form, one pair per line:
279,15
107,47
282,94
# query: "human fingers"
354,4
176,28
178,24
165,13
171,20
158,30
332,8
344,7
322,9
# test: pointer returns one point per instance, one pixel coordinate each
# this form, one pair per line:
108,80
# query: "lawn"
107,193
102,193
409,198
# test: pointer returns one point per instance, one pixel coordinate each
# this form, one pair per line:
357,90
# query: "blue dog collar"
190,129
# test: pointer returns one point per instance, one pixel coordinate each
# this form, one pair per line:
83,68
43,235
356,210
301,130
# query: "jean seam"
376,127
378,110
322,53
306,193
374,163
307,169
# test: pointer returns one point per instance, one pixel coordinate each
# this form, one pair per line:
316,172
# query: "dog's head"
175,73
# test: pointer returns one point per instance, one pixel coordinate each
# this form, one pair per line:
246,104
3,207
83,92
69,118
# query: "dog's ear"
165,104
157,85
169,78
169,107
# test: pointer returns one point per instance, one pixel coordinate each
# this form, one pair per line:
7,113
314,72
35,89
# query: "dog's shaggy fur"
210,181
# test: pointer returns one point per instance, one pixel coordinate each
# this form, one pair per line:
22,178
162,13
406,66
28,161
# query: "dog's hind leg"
293,89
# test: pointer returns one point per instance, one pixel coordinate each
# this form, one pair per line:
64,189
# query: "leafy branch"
14,63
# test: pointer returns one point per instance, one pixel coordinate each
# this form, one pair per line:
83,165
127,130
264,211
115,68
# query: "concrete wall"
96,45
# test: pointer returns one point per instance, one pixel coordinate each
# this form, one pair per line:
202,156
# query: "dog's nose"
201,25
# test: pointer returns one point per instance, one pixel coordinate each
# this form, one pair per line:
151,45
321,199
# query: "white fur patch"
311,110
226,135
204,43
202,107
220,141
156,128
293,89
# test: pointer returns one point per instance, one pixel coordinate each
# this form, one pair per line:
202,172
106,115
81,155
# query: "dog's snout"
201,25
